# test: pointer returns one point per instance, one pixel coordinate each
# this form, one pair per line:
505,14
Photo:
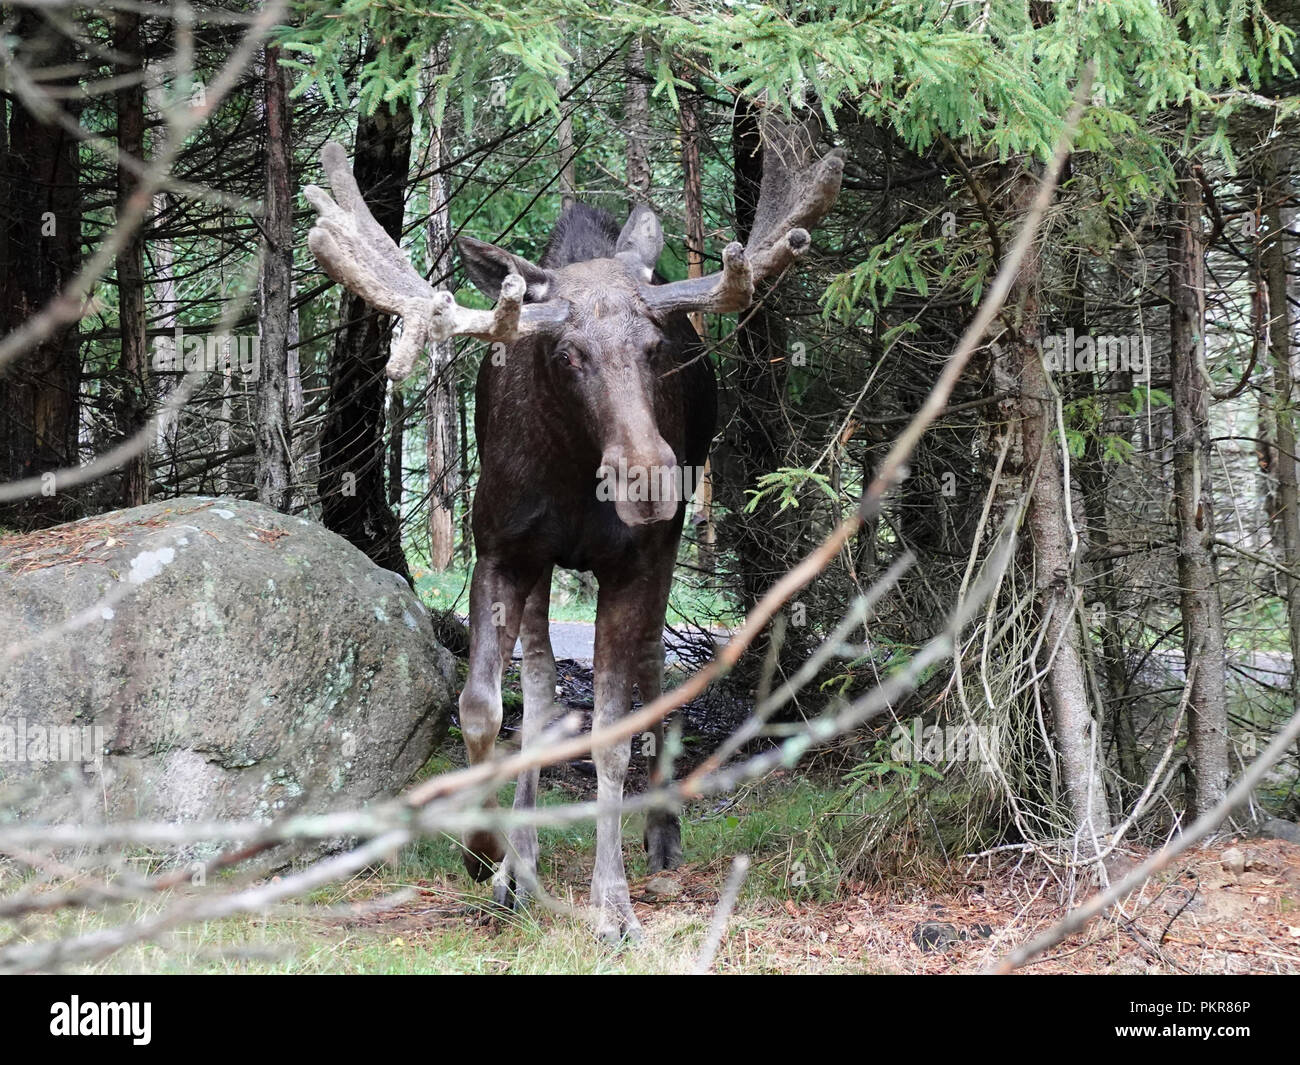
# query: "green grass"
442,930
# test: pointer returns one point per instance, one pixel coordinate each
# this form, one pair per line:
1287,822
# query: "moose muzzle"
645,484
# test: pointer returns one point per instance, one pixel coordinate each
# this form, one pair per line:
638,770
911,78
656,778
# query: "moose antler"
356,251
796,191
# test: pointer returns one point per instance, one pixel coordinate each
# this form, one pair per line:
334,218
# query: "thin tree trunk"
352,491
1102,614
225,480
706,532
444,470
164,291
396,443
693,196
442,452
1278,177
133,359
564,138
274,429
300,459
1269,525
1202,610
636,124
466,492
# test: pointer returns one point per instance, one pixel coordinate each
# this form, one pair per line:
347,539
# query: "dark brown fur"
631,389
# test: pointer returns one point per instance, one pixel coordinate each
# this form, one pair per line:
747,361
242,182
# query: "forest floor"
1198,917
1230,907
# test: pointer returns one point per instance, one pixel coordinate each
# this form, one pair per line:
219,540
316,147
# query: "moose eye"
564,356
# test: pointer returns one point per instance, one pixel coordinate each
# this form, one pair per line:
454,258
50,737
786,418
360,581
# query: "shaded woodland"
1130,416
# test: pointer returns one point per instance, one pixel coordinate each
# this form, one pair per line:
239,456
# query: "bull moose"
602,379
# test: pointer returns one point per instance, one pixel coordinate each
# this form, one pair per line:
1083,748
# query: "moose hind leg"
663,827
516,879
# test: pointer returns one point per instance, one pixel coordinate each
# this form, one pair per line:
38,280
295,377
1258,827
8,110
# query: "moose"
600,378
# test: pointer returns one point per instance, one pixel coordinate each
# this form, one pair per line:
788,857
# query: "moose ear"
642,238
488,265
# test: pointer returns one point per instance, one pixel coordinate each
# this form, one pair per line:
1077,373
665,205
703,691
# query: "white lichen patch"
221,513
148,564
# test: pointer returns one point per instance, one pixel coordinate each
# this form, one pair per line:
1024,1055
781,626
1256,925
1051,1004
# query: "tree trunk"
564,139
1078,746
40,251
1101,615
1278,179
752,446
442,452
444,470
274,429
636,124
1202,611
693,197
133,402
466,489
396,444
164,295
706,532
353,499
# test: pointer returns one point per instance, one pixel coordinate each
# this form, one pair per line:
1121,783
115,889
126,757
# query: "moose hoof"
617,930
511,890
483,850
510,895
663,842
616,924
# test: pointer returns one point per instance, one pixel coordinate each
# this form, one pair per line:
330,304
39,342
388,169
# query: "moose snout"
644,484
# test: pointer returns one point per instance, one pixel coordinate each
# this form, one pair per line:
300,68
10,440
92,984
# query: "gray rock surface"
1276,828
208,658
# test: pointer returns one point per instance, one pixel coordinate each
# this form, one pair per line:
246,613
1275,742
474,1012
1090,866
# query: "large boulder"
208,658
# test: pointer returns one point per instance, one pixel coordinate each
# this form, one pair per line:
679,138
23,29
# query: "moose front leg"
517,876
663,833
628,613
496,603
